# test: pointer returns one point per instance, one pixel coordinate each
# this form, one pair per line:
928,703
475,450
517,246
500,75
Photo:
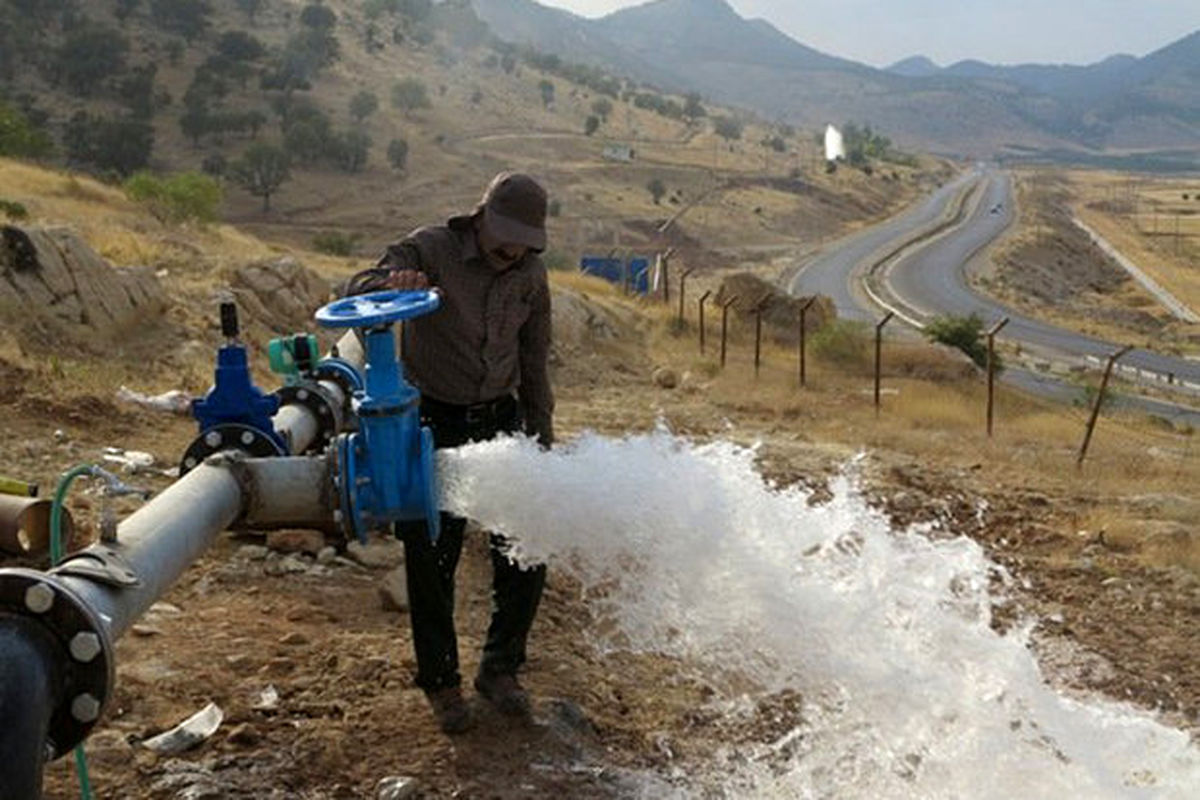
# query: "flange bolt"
39,598
85,708
85,646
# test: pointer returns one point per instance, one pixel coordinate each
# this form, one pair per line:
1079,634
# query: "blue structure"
633,274
384,471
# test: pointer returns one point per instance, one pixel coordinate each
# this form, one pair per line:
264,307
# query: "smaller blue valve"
384,471
233,398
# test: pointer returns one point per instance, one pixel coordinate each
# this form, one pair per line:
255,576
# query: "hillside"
459,105
967,108
717,622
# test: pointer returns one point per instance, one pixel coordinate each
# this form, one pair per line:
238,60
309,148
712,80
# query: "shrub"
18,137
13,209
187,196
397,153
591,125
842,341
336,243
363,105
410,94
657,189
964,333
90,55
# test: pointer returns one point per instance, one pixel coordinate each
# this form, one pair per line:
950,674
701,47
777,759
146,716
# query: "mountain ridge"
970,107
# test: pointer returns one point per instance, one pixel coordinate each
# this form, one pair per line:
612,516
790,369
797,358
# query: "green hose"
56,554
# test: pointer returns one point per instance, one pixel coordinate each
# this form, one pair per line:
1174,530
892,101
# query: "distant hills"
970,108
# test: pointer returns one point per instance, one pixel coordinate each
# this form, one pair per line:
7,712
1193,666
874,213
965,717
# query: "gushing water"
908,691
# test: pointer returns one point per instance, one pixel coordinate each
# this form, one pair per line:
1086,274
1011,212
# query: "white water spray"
908,691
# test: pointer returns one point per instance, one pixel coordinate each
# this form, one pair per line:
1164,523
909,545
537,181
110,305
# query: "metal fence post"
703,298
758,309
991,371
803,311
1091,424
666,274
879,355
682,282
725,325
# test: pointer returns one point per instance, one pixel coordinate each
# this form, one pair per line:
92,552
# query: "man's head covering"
514,210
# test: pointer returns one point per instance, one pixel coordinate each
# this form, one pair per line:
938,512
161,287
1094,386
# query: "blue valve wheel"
378,308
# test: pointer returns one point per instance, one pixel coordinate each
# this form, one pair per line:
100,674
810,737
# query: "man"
480,364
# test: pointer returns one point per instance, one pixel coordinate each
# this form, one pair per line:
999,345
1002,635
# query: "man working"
480,363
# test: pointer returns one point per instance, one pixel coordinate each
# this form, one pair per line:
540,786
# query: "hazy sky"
881,32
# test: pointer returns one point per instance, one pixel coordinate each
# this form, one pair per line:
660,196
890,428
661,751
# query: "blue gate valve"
385,471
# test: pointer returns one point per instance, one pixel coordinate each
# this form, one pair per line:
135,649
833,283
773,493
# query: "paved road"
837,269
932,281
928,278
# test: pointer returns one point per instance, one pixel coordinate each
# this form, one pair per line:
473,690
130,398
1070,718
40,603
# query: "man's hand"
406,280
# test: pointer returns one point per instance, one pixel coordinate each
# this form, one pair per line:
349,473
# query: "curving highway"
919,260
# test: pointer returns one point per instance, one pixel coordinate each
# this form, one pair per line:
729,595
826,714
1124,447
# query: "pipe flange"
87,652
230,436
342,373
318,400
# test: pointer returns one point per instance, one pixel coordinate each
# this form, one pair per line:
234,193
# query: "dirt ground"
313,669
245,621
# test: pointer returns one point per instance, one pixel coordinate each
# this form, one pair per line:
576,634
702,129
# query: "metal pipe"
295,492
30,690
299,425
155,544
25,525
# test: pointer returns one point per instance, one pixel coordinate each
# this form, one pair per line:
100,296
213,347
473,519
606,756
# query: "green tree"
591,125
350,150
692,108
318,17
602,108
410,94
657,189
240,46
965,333
547,89
397,153
184,197
188,18
508,63
125,8
261,171
363,105
89,55
19,138
727,128
121,145
250,8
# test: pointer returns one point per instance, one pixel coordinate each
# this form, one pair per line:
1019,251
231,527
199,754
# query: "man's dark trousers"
430,567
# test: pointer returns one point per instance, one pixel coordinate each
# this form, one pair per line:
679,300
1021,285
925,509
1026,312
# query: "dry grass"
942,420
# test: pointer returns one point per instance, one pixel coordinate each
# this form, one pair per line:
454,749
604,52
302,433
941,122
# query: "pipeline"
58,628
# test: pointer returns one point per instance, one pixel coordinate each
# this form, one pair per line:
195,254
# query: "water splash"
886,633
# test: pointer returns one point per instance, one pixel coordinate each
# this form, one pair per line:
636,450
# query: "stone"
396,787
294,638
377,553
244,735
251,552
393,591
666,377
296,541
326,556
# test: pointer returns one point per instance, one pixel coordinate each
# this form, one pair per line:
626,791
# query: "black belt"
487,412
